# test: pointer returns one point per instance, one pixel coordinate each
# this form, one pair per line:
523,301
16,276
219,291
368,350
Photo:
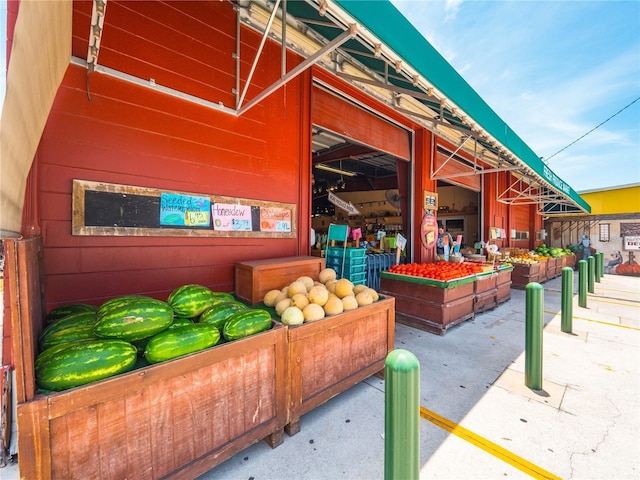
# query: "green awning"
391,27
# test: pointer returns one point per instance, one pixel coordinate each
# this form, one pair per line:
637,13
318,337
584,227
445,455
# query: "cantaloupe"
358,288
295,288
344,287
292,316
313,312
331,286
349,303
282,305
364,298
327,275
299,300
318,295
307,281
270,297
333,306
373,294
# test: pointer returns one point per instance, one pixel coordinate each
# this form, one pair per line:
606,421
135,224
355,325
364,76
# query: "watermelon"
190,301
134,319
118,301
70,334
66,310
75,319
84,362
218,314
245,323
180,341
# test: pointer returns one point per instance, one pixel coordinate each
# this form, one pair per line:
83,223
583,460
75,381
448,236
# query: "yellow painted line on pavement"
488,446
619,325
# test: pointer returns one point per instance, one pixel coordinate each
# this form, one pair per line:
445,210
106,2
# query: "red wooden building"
223,100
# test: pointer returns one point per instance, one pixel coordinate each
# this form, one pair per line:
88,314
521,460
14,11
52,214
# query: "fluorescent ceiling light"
327,168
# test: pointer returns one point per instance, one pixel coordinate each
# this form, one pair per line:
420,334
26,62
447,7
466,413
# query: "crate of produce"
177,418
425,288
253,279
331,355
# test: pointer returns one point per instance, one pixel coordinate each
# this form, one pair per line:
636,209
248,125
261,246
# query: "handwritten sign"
357,233
184,210
401,242
231,218
275,219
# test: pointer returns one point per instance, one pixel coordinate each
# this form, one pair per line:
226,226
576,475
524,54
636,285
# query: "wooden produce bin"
524,274
569,261
176,419
486,292
253,279
331,355
503,285
430,305
543,274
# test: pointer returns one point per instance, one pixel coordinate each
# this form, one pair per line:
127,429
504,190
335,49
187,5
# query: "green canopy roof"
397,33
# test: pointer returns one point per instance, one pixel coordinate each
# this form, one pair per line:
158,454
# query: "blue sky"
552,70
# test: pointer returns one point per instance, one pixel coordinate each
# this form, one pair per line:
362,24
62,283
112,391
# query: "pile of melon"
307,300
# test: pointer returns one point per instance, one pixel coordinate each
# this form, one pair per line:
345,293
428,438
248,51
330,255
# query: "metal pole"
591,271
582,283
534,298
402,416
597,274
567,300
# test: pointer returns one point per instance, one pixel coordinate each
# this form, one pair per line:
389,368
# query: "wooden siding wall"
136,136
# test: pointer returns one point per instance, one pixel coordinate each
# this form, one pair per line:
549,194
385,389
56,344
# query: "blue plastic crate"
337,262
346,252
357,278
350,269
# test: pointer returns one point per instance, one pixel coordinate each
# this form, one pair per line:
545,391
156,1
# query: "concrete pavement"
479,420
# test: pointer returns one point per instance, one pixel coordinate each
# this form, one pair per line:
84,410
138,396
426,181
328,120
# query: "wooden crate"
329,356
503,292
176,419
504,276
254,279
486,300
485,283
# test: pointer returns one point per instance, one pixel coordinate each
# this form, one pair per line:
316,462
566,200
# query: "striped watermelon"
189,301
218,314
180,341
73,320
245,323
66,310
134,319
84,362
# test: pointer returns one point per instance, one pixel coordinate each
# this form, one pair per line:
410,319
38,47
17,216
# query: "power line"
594,128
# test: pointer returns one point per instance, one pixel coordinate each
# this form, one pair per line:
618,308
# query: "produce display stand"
430,305
503,284
331,355
175,419
523,274
486,292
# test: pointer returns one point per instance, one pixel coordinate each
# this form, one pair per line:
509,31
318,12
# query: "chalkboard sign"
111,209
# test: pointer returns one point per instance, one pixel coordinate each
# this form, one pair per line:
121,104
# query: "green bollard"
591,273
600,263
402,416
596,269
534,300
566,318
582,283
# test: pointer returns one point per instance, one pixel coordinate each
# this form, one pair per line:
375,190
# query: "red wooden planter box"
428,307
176,419
331,355
484,301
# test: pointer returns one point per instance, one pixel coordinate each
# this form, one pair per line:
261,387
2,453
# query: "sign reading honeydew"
231,217
346,206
